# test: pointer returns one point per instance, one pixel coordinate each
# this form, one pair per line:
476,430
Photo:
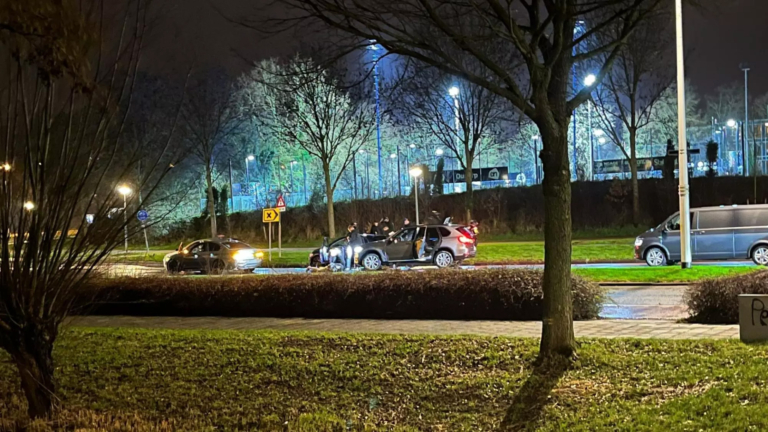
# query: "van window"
750,218
716,219
674,223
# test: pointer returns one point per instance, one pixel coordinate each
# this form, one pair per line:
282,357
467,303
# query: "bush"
445,294
716,301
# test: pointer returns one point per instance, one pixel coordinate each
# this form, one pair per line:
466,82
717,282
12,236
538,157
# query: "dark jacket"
353,238
386,227
375,230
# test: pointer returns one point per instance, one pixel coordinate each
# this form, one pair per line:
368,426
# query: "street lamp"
392,170
439,152
454,93
29,206
415,173
731,123
682,148
124,190
589,80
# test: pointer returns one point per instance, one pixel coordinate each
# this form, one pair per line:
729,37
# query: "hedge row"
495,294
716,301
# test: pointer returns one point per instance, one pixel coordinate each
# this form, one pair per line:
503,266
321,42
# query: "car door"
713,237
210,254
750,225
400,246
432,242
670,237
191,259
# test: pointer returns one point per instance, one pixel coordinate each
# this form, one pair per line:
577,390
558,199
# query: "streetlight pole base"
685,265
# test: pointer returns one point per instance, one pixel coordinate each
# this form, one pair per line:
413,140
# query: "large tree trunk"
34,360
469,196
633,174
557,333
211,205
329,199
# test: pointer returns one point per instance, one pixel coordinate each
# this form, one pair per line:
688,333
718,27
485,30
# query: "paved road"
595,329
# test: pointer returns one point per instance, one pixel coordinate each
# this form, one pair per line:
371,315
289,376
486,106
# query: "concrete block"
753,317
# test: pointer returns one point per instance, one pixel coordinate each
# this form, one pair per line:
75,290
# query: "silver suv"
439,245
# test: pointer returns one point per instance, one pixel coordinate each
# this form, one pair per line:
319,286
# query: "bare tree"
210,120
459,121
522,51
61,124
630,92
315,114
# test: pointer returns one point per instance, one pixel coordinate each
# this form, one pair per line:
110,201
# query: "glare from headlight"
638,241
243,255
259,255
335,251
358,249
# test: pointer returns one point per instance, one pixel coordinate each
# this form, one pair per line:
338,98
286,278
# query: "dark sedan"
214,256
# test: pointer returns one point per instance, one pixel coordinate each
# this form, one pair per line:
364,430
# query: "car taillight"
466,240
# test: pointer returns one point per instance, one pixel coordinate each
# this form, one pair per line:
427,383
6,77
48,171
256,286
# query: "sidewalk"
597,329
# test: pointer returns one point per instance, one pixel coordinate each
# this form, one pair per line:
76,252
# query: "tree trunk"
210,204
557,332
633,175
34,360
329,199
469,198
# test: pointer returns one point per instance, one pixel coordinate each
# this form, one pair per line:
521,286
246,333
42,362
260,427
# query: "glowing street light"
599,132
29,206
601,140
453,91
6,166
125,190
416,173
412,146
731,123
589,80
439,152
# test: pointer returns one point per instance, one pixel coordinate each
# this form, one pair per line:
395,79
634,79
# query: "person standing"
406,223
375,228
386,226
353,241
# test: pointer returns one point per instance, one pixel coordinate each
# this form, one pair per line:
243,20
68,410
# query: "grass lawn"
533,252
660,274
231,380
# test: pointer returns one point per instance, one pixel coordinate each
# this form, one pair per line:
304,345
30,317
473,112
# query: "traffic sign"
269,215
142,215
280,203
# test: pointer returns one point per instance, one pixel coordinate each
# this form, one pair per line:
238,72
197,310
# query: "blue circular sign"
142,215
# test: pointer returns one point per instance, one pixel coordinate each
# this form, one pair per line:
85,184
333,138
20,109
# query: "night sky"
718,39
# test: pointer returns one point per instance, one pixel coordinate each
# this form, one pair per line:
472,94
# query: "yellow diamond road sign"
270,215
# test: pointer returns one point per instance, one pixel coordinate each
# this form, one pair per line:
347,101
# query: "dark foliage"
595,205
448,294
716,301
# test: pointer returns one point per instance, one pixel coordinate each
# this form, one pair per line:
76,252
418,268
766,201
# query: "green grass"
533,252
659,275
229,380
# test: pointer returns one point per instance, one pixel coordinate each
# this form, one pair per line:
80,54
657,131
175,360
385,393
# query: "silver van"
717,233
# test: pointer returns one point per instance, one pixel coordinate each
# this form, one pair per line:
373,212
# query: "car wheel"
655,257
372,262
760,255
443,259
172,267
217,267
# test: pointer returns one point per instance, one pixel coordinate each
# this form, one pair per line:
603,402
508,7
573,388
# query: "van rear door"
713,237
750,225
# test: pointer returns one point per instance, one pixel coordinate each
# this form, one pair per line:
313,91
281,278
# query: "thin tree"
523,51
63,157
461,122
629,93
210,122
315,114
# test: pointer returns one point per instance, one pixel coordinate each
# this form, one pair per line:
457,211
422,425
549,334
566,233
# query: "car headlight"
335,252
638,241
243,255
358,249
259,255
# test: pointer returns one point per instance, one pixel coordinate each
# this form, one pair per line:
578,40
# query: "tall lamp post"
374,49
454,93
745,133
579,28
392,170
415,173
682,148
589,81
247,176
124,190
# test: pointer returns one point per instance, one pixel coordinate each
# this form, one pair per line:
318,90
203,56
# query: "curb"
643,284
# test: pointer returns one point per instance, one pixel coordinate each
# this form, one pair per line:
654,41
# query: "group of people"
385,227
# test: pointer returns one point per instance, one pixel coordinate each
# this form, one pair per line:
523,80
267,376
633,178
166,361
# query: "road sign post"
142,216
280,206
270,216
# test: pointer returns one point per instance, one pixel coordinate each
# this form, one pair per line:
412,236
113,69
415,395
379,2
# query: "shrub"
716,301
445,294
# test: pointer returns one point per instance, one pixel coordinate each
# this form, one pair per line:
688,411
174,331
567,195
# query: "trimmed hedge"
716,301
494,294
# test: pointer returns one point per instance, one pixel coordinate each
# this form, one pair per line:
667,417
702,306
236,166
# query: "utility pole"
745,137
374,47
682,147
